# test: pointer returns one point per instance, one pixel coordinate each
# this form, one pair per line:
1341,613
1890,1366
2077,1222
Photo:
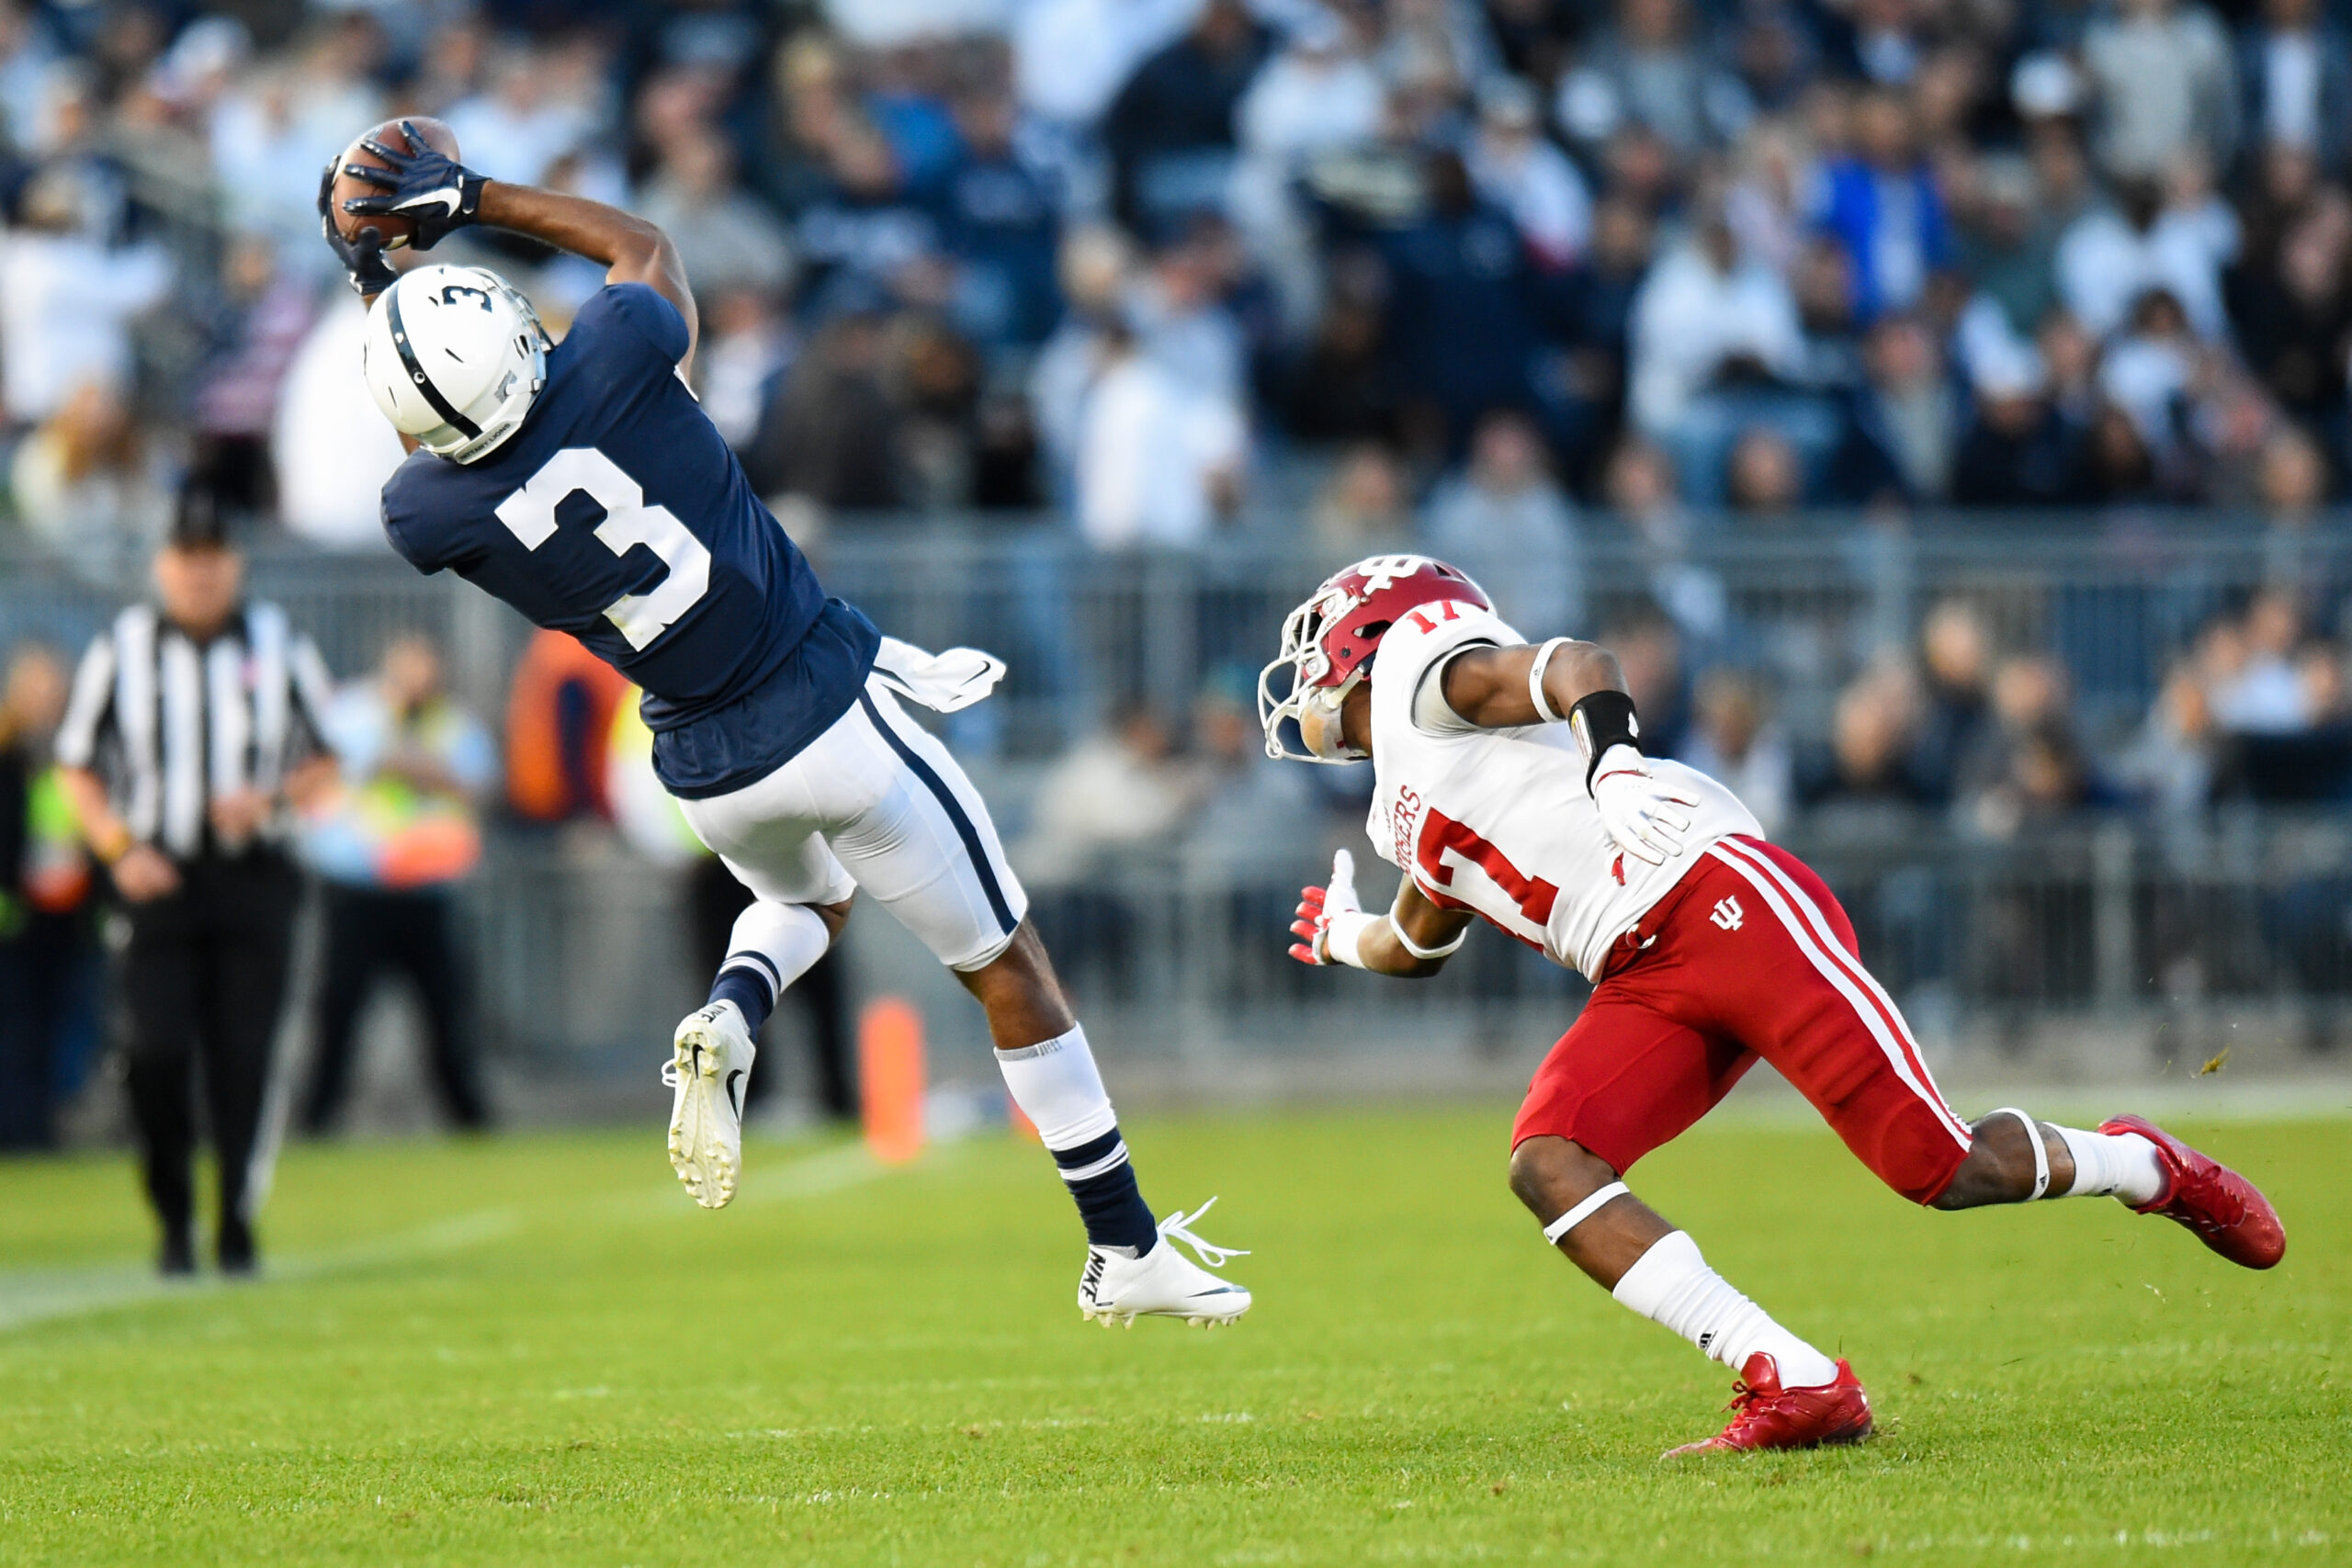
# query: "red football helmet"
1327,640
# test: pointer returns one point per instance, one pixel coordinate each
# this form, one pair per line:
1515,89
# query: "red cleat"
2226,1210
1766,1415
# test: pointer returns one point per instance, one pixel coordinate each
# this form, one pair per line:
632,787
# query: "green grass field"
537,1351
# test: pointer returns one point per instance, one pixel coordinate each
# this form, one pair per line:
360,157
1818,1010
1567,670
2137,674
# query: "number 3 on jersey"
529,515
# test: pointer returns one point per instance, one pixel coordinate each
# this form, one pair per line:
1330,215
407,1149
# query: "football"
396,232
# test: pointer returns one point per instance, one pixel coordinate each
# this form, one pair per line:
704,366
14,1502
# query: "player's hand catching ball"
432,190
1646,817
363,259
1325,913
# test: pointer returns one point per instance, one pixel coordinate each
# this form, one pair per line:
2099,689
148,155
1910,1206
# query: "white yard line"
29,1297
846,1166
39,1295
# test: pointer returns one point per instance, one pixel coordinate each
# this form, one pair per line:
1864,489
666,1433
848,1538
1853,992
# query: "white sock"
779,942
2122,1164
1057,1088
1672,1284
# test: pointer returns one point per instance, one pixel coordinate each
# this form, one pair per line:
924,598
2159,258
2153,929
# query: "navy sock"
1103,1180
749,990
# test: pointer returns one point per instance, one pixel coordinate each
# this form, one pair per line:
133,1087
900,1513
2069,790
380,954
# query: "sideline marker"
890,1079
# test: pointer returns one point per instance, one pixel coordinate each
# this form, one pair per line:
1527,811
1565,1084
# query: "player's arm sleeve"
90,710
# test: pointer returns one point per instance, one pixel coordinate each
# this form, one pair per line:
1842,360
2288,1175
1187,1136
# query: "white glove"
1331,920
1639,812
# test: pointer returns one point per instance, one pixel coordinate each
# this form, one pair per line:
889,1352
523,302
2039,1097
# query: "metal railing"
1184,958
351,604
583,960
1805,603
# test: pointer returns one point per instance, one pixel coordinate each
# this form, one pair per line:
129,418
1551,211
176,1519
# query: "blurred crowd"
1496,279
1962,733
1466,270
2257,710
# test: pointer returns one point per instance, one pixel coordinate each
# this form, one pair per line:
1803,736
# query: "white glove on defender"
1331,920
1639,812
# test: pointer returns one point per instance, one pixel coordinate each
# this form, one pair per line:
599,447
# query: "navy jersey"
618,513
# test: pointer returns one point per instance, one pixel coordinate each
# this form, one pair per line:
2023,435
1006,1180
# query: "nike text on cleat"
2227,1213
1766,1415
707,1071
1118,1287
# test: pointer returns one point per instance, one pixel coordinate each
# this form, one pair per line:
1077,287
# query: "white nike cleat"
712,1063
1119,1287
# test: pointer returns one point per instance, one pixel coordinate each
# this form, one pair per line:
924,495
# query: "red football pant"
1749,956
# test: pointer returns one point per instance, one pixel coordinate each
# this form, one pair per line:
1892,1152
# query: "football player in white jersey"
1511,786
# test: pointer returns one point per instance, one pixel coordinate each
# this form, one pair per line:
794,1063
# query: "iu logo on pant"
1728,914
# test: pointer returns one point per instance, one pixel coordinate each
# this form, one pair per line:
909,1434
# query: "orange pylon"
890,1079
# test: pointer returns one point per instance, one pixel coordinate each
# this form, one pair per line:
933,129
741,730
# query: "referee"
193,720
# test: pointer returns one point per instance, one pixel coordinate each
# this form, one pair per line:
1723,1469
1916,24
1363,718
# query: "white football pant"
875,803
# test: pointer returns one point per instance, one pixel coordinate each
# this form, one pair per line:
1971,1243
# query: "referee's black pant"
204,980
370,930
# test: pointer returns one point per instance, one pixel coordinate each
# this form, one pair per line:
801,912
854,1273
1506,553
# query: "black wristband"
1599,720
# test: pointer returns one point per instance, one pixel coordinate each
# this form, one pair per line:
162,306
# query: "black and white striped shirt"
171,722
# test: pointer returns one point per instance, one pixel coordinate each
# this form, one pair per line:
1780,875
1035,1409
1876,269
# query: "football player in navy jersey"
582,483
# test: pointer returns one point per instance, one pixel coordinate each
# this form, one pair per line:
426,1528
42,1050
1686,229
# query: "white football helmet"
455,356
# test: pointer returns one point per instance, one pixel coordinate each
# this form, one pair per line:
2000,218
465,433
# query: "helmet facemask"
1313,708
1329,641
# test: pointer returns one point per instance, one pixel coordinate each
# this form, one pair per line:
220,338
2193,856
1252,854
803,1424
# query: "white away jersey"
1498,822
